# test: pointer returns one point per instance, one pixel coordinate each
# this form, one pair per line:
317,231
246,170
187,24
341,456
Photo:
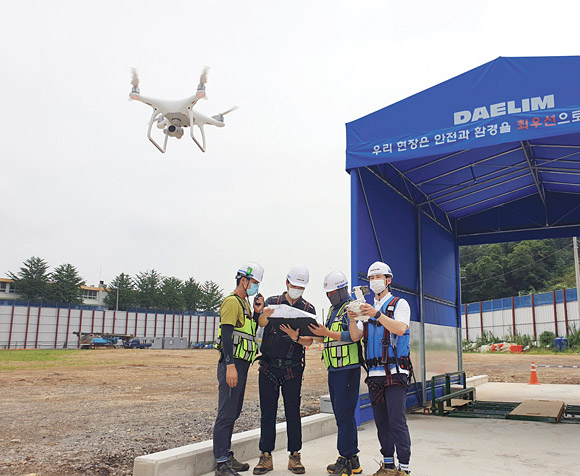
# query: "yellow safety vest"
244,337
336,353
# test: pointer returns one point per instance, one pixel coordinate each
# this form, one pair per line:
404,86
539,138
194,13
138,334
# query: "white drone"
173,116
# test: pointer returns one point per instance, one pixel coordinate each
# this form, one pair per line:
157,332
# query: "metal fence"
40,327
555,311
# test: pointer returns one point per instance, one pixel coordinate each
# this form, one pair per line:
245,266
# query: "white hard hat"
251,270
298,275
378,267
334,280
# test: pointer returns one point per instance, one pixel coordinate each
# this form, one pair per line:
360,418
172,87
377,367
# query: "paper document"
284,311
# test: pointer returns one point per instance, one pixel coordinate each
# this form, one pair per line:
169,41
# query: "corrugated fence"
555,311
42,327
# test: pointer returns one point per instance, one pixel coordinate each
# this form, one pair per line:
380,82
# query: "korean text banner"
506,100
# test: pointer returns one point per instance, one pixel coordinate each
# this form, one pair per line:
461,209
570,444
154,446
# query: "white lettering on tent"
461,117
479,113
503,108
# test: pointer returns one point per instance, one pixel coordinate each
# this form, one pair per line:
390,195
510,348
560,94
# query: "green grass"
39,359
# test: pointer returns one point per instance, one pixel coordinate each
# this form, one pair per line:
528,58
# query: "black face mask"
338,297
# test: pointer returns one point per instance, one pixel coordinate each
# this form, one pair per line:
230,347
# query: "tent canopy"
491,155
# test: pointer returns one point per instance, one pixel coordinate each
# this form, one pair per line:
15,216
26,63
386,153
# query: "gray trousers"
230,402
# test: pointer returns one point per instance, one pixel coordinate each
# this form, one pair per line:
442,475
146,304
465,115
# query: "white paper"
288,312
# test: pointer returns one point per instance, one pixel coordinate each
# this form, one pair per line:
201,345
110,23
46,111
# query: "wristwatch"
378,314
296,340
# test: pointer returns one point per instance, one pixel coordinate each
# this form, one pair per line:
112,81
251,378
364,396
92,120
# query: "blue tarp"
494,151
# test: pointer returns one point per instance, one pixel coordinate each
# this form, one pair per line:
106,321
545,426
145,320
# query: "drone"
173,116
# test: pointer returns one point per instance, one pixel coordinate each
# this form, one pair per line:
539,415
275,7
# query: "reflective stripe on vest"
243,338
336,353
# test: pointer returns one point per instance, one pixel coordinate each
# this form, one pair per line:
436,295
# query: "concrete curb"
197,459
477,380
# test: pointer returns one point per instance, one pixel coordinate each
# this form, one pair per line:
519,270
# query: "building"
92,295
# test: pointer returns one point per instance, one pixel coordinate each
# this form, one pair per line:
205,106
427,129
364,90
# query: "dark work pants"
269,395
391,422
230,402
344,388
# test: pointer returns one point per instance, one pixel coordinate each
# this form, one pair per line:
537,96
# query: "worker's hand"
292,333
351,315
259,303
231,375
267,312
318,330
367,310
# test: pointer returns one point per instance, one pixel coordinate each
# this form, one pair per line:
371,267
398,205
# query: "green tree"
211,296
148,285
192,294
65,285
125,286
31,281
172,294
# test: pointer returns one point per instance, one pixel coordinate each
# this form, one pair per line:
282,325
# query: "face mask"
253,289
334,299
378,286
295,293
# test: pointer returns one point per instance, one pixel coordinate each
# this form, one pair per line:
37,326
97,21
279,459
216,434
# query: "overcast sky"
81,184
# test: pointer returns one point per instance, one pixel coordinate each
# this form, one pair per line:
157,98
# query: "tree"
31,281
211,296
192,294
172,294
148,286
124,284
65,285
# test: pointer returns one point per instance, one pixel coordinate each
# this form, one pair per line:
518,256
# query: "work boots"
265,464
225,469
342,466
235,464
294,463
354,462
384,471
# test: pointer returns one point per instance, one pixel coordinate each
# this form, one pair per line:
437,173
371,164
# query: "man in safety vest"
387,356
238,347
342,356
281,367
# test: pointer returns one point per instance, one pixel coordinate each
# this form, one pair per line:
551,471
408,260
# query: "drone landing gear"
191,124
153,117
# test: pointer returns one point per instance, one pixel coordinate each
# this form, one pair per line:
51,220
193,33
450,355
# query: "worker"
386,333
238,348
282,363
342,355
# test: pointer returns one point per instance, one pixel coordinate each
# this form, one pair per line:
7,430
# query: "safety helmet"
377,268
251,270
298,275
334,280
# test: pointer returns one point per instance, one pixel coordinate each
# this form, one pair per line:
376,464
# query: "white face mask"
377,286
295,293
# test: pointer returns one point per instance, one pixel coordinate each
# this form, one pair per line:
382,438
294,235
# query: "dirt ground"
93,412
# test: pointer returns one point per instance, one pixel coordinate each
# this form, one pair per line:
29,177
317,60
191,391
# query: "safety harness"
400,362
295,356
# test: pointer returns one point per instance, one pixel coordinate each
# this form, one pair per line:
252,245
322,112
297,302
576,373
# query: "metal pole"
421,310
577,276
117,303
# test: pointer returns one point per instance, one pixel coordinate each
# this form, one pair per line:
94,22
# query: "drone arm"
151,121
191,124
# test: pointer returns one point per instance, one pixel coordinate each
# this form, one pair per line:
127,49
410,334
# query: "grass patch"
42,359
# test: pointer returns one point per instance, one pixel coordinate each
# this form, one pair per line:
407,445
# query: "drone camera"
174,131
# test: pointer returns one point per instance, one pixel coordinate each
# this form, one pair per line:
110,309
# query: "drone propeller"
135,81
220,116
203,78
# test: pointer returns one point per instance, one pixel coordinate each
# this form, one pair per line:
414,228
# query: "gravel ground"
94,412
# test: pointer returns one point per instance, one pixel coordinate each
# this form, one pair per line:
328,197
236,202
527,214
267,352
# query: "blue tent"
490,155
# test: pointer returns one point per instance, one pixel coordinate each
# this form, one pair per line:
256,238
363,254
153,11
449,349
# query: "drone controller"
360,292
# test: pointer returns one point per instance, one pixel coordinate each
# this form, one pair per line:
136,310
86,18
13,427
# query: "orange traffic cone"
533,375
